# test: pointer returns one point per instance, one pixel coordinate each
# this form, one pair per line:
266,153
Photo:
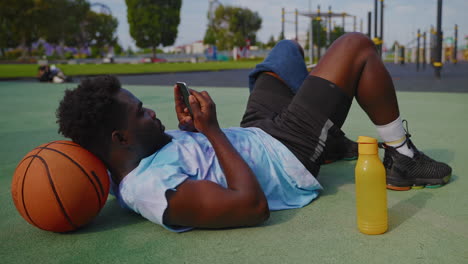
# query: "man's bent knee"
355,41
356,45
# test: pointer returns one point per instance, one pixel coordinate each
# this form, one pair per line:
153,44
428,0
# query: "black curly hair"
89,113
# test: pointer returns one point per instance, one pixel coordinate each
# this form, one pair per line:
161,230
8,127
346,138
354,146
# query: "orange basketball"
59,186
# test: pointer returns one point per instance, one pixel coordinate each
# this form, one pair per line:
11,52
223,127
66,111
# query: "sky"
402,18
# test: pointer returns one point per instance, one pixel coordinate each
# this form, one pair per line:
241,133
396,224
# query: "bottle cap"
367,145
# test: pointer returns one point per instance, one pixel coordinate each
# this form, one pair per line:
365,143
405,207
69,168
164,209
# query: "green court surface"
425,226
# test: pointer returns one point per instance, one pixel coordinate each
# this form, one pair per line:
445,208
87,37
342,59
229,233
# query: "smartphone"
185,94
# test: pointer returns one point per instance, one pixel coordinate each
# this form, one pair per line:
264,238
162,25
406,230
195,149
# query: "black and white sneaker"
405,173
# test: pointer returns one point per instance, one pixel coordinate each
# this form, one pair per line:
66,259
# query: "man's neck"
121,162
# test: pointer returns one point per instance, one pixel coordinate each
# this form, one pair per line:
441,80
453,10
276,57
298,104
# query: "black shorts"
302,122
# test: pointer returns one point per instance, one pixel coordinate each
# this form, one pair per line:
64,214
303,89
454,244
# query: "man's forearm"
239,176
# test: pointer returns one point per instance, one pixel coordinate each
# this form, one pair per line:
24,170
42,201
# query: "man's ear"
119,137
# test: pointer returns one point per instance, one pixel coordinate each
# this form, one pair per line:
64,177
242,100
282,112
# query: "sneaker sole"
395,186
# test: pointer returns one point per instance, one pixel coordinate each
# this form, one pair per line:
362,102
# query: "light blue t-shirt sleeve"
146,194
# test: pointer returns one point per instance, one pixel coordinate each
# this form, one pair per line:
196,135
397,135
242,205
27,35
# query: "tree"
130,51
320,29
281,36
8,38
210,36
100,30
232,26
20,17
153,22
271,42
61,22
336,33
118,49
318,26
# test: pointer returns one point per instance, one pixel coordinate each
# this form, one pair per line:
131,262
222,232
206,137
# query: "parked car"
152,60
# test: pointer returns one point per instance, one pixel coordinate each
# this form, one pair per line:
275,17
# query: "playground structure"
440,51
316,50
318,16
420,52
327,18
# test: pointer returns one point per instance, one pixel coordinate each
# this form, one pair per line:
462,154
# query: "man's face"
145,132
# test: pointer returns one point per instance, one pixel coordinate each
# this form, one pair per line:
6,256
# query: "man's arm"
207,204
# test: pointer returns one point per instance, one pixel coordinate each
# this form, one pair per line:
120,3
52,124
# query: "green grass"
30,70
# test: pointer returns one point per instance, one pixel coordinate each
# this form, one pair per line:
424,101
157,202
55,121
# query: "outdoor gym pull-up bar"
318,15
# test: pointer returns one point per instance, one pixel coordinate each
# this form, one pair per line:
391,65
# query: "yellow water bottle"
371,193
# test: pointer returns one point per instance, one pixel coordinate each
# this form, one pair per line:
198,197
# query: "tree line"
72,23
59,22
152,24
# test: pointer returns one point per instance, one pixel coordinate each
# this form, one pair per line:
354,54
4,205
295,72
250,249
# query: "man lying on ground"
207,177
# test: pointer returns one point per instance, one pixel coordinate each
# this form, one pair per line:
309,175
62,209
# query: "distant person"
51,74
207,177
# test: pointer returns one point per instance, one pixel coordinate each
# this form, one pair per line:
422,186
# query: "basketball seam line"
24,180
101,188
22,186
55,193
81,168
99,182
92,172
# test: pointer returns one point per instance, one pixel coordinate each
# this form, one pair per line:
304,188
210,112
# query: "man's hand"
182,112
204,112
